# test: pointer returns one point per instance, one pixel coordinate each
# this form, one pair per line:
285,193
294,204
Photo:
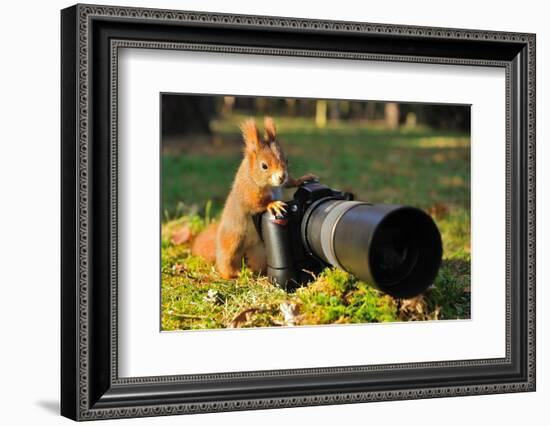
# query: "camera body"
290,261
395,248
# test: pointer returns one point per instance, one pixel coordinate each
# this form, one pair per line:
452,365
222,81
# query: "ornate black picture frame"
91,36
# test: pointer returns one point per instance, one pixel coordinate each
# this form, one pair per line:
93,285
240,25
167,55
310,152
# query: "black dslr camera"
395,248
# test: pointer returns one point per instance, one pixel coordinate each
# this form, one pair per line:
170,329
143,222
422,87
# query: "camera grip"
280,264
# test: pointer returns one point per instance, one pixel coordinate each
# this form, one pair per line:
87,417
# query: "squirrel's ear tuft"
251,135
270,132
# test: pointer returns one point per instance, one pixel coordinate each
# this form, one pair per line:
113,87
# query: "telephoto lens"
395,248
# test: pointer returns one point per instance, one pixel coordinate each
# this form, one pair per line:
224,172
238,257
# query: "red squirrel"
257,187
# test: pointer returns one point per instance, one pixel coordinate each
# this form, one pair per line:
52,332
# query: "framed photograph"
263,212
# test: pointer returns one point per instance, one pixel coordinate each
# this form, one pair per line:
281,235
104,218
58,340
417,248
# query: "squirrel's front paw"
276,208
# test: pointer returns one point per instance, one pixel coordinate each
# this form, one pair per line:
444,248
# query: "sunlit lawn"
420,167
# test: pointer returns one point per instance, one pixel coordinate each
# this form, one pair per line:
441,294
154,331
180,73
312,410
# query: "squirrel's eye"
264,165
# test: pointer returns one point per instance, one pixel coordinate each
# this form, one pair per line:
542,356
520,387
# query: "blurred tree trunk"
391,115
228,104
370,111
334,110
321,113
290,107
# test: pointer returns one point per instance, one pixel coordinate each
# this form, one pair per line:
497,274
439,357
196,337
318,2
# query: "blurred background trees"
184,115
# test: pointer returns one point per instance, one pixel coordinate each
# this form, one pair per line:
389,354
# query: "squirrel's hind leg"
228,258
257,259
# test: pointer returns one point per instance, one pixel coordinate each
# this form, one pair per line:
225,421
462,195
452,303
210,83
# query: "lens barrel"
396,248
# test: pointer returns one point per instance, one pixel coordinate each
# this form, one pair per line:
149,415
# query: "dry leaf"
242,317
290,312
211,296
439,210
413,307
178,268
182,235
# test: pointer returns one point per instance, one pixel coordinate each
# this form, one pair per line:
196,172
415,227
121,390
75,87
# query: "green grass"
424,168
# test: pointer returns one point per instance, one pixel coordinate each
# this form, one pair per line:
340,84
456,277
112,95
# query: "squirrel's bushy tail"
205,243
